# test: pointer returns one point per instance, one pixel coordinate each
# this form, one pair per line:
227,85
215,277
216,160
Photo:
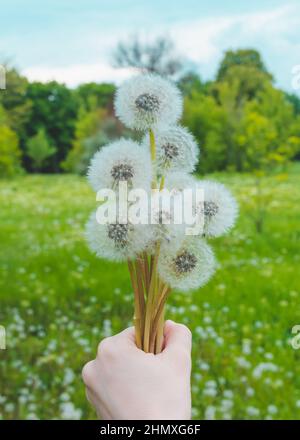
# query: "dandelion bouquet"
142,189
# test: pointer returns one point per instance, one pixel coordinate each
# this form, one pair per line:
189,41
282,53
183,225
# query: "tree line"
240,119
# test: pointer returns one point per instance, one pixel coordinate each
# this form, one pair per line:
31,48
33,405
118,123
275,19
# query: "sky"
72,40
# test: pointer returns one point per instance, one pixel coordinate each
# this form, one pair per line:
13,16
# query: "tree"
158,56
39,149
94,129
207,121
236,132
295,101
14,100
87,126
191,83
10,153
244,71
241,58
92,95
54,109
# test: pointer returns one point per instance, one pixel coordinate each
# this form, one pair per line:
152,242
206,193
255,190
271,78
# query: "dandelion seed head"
164,226
189,267
176,149
122,160
178,181
219,208
148,101
185,262
170,151
118,233
210,209
123,171
116,241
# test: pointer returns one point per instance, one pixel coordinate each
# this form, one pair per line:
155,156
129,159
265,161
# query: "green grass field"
57,301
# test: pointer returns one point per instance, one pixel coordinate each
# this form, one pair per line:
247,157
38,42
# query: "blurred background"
238,67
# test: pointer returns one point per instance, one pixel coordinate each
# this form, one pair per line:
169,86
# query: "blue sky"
72,40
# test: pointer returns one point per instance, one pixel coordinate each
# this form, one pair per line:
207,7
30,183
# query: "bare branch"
158,56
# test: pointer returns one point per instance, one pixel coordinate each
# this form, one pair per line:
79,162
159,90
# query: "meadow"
57,301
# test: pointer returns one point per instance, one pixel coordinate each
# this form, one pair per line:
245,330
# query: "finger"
89,373
127,335
177,337
125,339
123,342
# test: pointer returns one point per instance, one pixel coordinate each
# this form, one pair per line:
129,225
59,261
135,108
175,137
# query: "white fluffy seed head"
176,149
178,181
166,230
190,267
122,160
117,242
148,101
220,208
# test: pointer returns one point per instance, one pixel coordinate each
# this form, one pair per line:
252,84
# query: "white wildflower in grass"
210,392
272,409
121,161
228,394
210,412
69,412
219,208
147,101
252,411
242,362
117,242
176,149
190,267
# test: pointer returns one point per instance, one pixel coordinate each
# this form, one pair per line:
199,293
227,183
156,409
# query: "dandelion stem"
153,156
160,332
162,183
158,321
152,145
146,268
150,301
137,310
141,294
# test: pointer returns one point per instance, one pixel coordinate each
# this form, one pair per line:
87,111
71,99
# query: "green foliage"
94,128
39,149
191,83
93,95
10,153
207,121
242,122
14,100
87,127
295,101
249,58
58,301
266,133
54,109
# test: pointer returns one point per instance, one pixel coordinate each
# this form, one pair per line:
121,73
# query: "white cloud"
273,32
78,73
201,40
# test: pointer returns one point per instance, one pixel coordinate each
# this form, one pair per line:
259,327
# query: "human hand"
125,383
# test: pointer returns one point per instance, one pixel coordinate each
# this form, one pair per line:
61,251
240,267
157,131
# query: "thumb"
177,338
